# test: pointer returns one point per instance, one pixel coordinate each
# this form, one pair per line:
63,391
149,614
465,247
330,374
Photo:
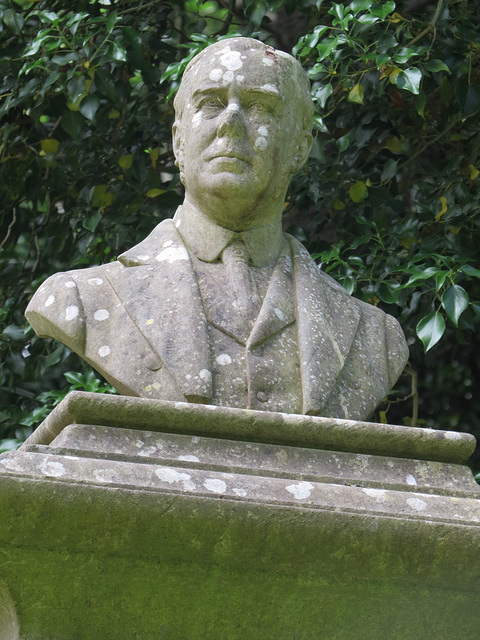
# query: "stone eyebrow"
265,91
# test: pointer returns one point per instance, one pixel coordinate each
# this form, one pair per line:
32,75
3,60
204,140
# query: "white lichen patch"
453,435
104,351
301,490
375,493
53,469
411,480
239,492
233,106
71,312
172,254
214,485
263,131
196,121
70,284
223,359
170,476
280,315
228,76
49,301
143,258
148,451
269,87
168,243
267,61
261,143
231,60
104,475
95,281
178,223
188,458
205,374
417,504
101,315
215,74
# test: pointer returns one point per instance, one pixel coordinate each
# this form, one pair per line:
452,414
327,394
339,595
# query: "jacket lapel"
326,329
278,308
160,293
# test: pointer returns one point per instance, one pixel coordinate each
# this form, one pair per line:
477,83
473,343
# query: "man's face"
237,128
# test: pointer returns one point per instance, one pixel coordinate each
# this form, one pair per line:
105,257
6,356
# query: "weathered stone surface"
255,426
218,306
172,532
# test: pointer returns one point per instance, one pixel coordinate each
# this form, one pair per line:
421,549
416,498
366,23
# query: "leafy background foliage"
388,202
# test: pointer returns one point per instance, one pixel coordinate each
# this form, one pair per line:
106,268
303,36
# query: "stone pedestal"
125,518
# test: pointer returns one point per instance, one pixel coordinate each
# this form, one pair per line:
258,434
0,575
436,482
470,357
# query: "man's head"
243,128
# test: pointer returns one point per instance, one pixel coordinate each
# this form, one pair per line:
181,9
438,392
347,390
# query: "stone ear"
305,141
178,146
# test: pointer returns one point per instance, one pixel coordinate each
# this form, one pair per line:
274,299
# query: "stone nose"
232,121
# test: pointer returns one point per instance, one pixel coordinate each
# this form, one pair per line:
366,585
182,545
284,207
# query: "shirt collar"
206,239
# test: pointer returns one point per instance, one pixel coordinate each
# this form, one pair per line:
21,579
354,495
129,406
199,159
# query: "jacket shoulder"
57,308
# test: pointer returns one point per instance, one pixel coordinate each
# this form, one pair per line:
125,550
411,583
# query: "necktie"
241,281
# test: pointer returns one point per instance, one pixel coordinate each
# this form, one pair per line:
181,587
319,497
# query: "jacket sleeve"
397,349
56,311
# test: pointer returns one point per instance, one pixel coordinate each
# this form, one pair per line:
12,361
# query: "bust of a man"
218,305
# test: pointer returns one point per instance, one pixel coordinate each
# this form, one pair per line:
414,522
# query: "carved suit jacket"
140,321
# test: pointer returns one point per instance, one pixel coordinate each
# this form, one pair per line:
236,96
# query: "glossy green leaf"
436,65
323,93
425,274
430,329
409,80
356,94
89,106
360,5
455,301
470,271
381,10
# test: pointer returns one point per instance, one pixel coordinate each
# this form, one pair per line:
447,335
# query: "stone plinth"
125,518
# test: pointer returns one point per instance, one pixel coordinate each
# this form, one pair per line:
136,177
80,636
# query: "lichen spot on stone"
54,469
280,315
223,359
263,131
240,78
70,284
104,351
375,493
233,106
50,300
168,243
270,87
411,480
205,374
188,458
143,258
231,60
453,435
150,321
178,223
215,74
228,76
214,485
417,504
148,387
172,254
171,476
261,143
95,281
301,490
71,312
101,315
268,61
196,121
239,492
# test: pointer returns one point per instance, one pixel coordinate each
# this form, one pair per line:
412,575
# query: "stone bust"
218,305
